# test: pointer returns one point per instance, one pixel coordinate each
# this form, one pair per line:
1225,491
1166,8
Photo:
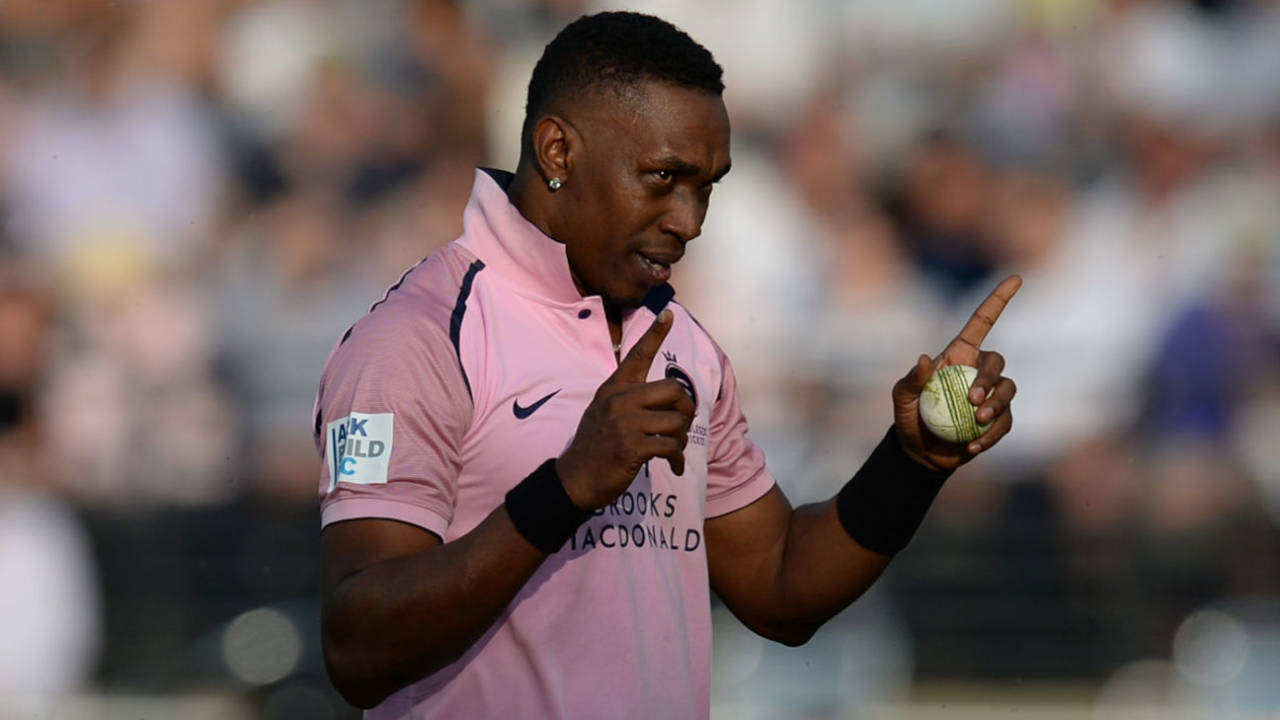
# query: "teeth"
652,264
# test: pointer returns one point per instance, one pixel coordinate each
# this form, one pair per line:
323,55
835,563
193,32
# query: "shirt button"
583,314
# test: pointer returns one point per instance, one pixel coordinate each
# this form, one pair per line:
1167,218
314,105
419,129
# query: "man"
536,468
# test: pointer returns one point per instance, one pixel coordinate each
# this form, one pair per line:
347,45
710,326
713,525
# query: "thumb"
635,366
919,375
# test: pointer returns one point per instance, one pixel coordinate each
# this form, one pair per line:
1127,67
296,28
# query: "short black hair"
615,50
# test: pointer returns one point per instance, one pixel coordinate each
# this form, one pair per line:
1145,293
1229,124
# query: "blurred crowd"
198,197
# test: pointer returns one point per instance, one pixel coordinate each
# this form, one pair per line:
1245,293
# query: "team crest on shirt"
697,433
677,373
358,448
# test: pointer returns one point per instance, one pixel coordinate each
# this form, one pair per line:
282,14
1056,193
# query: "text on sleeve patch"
358,448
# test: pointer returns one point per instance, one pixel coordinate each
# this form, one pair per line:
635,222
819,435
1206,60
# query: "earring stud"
554,184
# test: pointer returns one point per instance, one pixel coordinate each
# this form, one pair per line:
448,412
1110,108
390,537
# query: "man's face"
639,185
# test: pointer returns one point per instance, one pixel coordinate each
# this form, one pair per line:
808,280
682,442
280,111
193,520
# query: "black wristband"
887,499
542,511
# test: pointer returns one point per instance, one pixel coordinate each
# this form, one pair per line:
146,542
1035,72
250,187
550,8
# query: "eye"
664,175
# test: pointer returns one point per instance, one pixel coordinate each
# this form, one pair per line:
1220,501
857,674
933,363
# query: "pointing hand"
629,422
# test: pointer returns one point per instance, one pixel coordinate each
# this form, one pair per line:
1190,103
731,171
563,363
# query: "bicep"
350,546
745,550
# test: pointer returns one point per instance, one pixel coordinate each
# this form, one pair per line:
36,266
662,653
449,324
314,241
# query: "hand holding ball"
945,407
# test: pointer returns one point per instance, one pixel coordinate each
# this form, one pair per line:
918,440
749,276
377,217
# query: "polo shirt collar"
510,245
519,251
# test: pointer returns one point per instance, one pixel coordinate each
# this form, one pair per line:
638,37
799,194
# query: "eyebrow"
684,167
678,165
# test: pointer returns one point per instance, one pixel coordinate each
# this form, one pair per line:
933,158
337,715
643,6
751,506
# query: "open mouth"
656,270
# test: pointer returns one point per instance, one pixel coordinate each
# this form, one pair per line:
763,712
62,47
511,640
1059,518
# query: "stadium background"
198,197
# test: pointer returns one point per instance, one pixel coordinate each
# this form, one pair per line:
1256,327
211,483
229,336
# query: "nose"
684,219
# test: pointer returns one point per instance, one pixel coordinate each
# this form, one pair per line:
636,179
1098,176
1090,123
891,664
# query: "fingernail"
974,448
984,414
978,394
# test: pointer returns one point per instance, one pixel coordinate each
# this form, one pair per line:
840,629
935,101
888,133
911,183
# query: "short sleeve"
736,472
391,414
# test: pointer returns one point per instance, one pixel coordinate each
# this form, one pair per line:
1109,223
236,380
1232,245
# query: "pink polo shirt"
474,369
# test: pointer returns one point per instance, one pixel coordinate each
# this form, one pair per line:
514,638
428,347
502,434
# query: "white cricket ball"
945,407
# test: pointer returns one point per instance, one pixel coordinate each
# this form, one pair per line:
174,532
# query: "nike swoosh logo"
524,412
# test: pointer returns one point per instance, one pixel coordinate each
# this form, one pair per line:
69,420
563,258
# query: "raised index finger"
984,318
635,366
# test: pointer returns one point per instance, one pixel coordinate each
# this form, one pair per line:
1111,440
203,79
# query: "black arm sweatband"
886,500
542,511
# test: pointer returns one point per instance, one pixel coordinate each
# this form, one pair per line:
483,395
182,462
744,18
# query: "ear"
554,142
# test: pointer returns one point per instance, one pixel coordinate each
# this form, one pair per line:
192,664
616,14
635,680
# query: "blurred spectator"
421,216
939,206
872,303
116,152
1210,359
283,298
134,414
451,49
49,614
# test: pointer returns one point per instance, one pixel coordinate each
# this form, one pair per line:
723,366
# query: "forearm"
400,619
817,571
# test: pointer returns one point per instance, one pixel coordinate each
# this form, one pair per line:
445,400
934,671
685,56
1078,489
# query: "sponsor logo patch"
358,448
